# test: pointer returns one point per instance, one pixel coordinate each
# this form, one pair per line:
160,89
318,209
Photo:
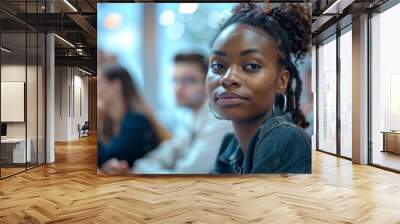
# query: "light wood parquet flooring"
70,191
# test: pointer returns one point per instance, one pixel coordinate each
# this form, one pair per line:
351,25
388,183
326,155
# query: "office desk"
13,150
391,141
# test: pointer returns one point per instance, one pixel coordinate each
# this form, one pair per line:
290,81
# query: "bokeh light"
112,21
175,31
188,8
167,18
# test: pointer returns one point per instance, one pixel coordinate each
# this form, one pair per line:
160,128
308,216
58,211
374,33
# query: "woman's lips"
229,99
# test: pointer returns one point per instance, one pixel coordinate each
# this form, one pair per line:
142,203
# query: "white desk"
19,149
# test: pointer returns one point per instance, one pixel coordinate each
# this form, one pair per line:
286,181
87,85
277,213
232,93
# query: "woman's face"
244,75
108,91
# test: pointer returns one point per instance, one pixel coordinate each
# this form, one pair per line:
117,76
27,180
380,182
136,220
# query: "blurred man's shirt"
194,152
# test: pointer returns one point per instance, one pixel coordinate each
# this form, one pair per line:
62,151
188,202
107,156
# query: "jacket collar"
233,154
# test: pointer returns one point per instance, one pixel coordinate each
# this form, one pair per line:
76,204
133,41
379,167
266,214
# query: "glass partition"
31,99
327,96
22,77
14,153
41,109
346,93
385,89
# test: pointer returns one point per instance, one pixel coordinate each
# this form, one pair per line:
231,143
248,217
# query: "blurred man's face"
190,89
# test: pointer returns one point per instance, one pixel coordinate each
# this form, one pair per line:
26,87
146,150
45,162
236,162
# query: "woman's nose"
230,79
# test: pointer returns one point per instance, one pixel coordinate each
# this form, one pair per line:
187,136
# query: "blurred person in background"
307,104
106,59
196,151
127,128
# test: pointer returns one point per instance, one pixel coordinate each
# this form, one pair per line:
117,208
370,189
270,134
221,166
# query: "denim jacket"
278,146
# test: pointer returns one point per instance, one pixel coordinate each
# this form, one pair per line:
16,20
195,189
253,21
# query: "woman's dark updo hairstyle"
290,26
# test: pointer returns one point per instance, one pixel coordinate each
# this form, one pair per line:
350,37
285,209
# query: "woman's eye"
252,67
217,66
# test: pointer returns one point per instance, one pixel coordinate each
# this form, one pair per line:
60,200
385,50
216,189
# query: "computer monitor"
3,129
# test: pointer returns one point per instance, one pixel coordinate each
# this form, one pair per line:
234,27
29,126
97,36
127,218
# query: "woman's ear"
283,78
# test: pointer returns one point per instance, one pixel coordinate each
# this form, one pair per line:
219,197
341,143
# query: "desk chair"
84,130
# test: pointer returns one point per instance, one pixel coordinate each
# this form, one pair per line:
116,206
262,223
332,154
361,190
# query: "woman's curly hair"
290,26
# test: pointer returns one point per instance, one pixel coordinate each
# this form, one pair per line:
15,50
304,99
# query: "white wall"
61,103
70,83
80,96
12,100
12,73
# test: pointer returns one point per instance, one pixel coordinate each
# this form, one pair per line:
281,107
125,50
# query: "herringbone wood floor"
70,191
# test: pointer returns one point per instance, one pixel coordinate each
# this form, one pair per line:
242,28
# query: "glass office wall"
31,98
345,59
13,110
334,64
327,95
385,89
41,97
22,91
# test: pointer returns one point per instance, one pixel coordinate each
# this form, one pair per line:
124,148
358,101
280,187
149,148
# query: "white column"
50,99
360,90
50,92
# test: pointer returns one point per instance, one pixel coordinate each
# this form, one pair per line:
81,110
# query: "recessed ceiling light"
70,5
5,50
337,7
84,71
64,40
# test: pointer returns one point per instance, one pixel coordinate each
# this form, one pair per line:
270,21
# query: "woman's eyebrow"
220,53
250,51
243,53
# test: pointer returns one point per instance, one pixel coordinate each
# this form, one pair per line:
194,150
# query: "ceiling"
331,15
76,23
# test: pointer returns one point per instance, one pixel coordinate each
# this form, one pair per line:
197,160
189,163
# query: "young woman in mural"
253,81
128,129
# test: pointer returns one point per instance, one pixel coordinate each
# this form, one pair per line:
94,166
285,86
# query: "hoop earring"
284,104
213,112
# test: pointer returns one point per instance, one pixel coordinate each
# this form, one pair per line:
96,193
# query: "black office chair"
84,130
